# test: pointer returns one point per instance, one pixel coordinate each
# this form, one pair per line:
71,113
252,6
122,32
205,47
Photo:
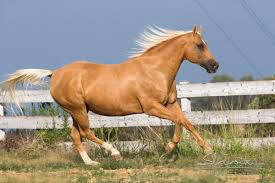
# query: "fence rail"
142,120
226,89
185,91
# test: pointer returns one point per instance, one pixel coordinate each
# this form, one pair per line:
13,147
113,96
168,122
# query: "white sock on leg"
87,160
110,148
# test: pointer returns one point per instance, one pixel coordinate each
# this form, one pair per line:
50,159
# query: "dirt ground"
146,174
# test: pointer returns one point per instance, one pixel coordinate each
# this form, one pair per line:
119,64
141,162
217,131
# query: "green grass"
42,159
186,164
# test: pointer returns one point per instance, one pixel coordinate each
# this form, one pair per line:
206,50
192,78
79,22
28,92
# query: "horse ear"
194,29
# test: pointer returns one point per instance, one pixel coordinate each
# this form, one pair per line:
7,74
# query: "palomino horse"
143,84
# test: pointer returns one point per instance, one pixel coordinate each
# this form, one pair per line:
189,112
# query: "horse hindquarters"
66,89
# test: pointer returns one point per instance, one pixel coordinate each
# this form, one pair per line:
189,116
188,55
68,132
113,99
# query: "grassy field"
34,161
37,157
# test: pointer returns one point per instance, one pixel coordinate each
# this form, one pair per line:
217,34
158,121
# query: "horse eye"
200,46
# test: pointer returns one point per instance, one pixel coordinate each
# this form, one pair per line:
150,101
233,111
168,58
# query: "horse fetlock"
170,147
176,139
114,152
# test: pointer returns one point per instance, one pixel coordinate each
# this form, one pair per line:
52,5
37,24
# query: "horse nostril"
216,66
212,65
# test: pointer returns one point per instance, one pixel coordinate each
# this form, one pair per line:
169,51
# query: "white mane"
153,36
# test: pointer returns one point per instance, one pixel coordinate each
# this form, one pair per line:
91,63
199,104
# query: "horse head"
197,51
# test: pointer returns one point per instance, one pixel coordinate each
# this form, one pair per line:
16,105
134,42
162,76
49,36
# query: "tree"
221,78
246,78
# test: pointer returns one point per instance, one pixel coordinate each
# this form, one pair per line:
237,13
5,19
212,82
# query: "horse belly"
113,105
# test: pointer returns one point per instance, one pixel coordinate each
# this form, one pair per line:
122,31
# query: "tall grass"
225,138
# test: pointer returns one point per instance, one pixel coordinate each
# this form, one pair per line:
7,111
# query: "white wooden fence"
185,91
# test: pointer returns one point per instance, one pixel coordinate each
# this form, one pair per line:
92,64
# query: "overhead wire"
228,37
258,21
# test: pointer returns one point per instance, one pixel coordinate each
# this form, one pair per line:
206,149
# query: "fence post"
1,110
185,102
185,107
2,133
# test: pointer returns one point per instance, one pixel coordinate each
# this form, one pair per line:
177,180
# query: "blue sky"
49,34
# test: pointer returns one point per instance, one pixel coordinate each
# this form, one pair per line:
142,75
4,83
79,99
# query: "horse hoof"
208,151
170,147
92,163
117,157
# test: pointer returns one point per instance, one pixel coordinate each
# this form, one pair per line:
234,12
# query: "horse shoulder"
173,94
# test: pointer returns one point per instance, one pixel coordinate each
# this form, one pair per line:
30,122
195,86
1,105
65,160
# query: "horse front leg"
175,108
175,140
173,112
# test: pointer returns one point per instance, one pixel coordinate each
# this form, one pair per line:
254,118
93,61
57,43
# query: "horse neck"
169,56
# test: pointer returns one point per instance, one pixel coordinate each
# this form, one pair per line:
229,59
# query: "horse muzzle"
211,66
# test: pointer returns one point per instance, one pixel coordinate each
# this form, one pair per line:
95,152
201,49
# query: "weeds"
143,166
39,152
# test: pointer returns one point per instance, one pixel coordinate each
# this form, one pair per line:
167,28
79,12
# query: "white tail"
23,76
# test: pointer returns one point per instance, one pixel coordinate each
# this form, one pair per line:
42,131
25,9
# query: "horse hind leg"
83,122
76,138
